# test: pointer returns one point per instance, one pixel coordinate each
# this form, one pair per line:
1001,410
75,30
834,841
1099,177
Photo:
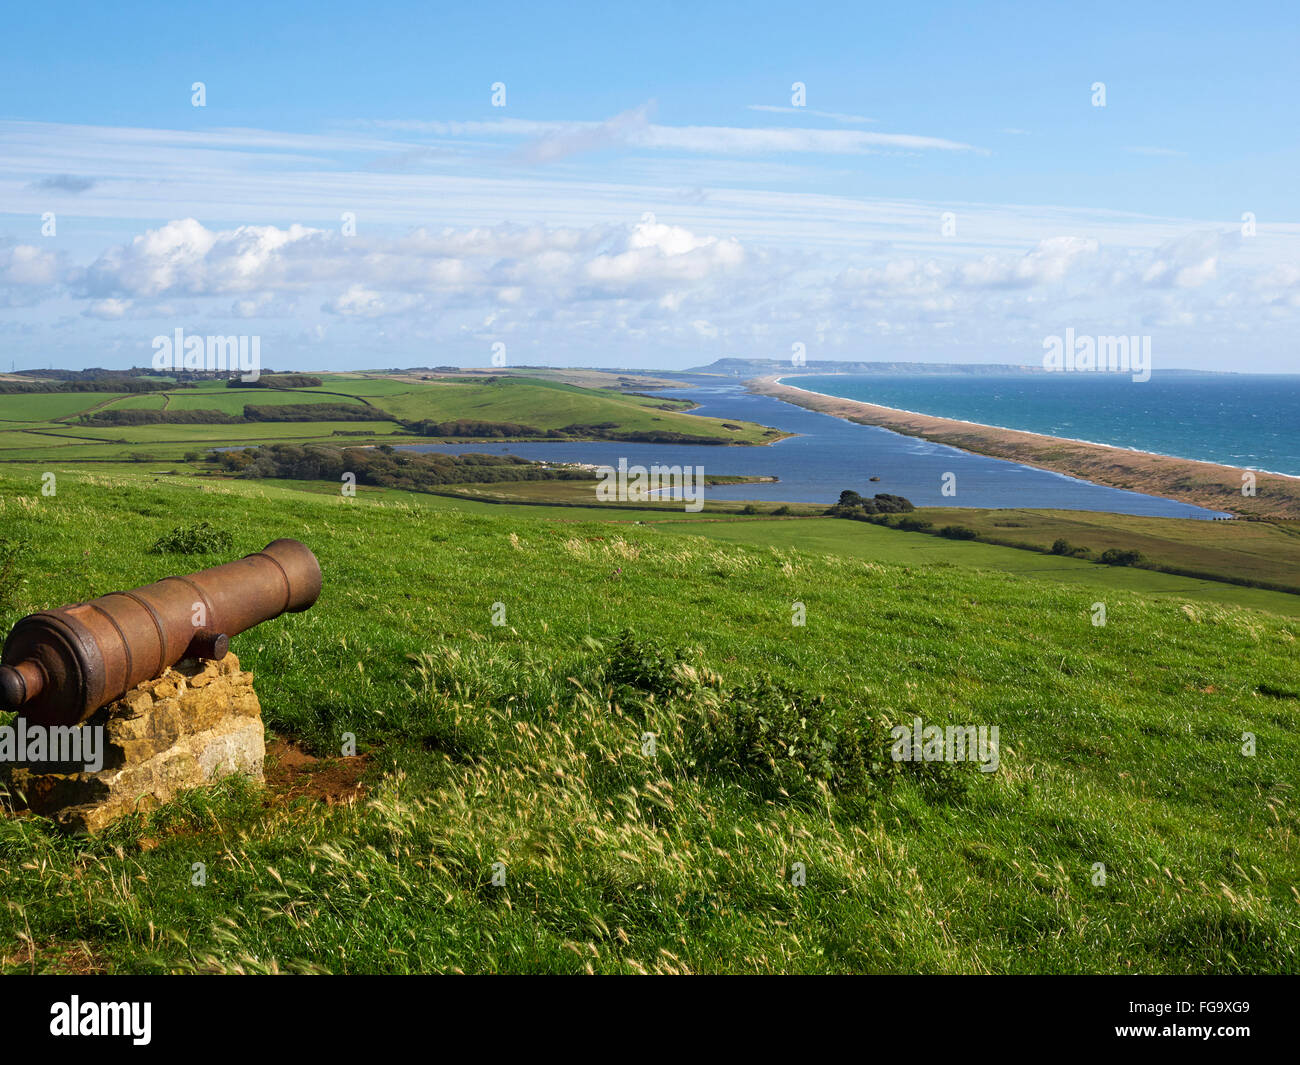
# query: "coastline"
1204,484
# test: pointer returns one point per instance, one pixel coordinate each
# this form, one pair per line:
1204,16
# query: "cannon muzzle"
60,666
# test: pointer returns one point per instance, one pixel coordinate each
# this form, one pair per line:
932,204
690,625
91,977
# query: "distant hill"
751,367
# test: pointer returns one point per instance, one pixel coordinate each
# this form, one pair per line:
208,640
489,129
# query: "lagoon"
830,455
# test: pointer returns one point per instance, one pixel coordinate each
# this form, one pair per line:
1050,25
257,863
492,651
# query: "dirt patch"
292,773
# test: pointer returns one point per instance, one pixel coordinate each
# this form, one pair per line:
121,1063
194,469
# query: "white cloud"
26,264
109,309
28,274
361,302
834,116
710,140
1189,261
1047,263
574,139
185,257
731,140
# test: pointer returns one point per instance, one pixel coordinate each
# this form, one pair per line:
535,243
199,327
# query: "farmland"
33,426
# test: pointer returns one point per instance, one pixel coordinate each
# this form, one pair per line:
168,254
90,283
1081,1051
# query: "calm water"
1238,419
830,455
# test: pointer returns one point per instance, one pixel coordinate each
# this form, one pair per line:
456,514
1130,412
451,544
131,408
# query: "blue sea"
829,455
1250,420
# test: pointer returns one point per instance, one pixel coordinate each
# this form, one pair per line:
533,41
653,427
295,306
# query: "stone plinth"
199,721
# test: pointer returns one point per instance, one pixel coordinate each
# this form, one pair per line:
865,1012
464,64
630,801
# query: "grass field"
1246,550
861,540
32,424
524,744
1238,552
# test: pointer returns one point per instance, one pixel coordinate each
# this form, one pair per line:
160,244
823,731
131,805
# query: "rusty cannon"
60,666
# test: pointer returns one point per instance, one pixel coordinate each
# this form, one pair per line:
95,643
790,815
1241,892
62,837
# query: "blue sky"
651,193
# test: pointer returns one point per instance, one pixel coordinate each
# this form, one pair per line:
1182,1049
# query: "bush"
770,738
410,471
1113,556
852,505
467,427
315,412
914,524
279,380
749,508
203,538
643,666
782,510
131,416
778,742
958,532
1062,547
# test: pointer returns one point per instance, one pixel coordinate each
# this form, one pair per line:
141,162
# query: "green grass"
32,425
143,401
1240,550
553,405
522,744
857,539
234,400
38,407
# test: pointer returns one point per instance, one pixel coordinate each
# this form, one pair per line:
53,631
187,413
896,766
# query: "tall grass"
648,768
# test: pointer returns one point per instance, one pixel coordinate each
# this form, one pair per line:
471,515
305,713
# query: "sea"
1250,420
827,454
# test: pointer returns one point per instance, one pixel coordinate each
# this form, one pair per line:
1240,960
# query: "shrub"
643,666
279,380
852,505
958,532
202,538
778,742
314,412
914,524
1114,556
131,416
410,471
773,739
1062,547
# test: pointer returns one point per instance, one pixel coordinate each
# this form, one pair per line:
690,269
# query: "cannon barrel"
60,666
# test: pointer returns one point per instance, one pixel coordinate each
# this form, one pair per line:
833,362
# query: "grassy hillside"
869,542
37,425
1251,554
1265,551
523,744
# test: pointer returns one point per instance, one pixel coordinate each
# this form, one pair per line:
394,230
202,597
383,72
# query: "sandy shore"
1205,484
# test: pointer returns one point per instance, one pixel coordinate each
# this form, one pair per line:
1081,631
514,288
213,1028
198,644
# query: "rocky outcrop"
199,721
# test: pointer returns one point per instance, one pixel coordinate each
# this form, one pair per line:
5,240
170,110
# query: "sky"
418,184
